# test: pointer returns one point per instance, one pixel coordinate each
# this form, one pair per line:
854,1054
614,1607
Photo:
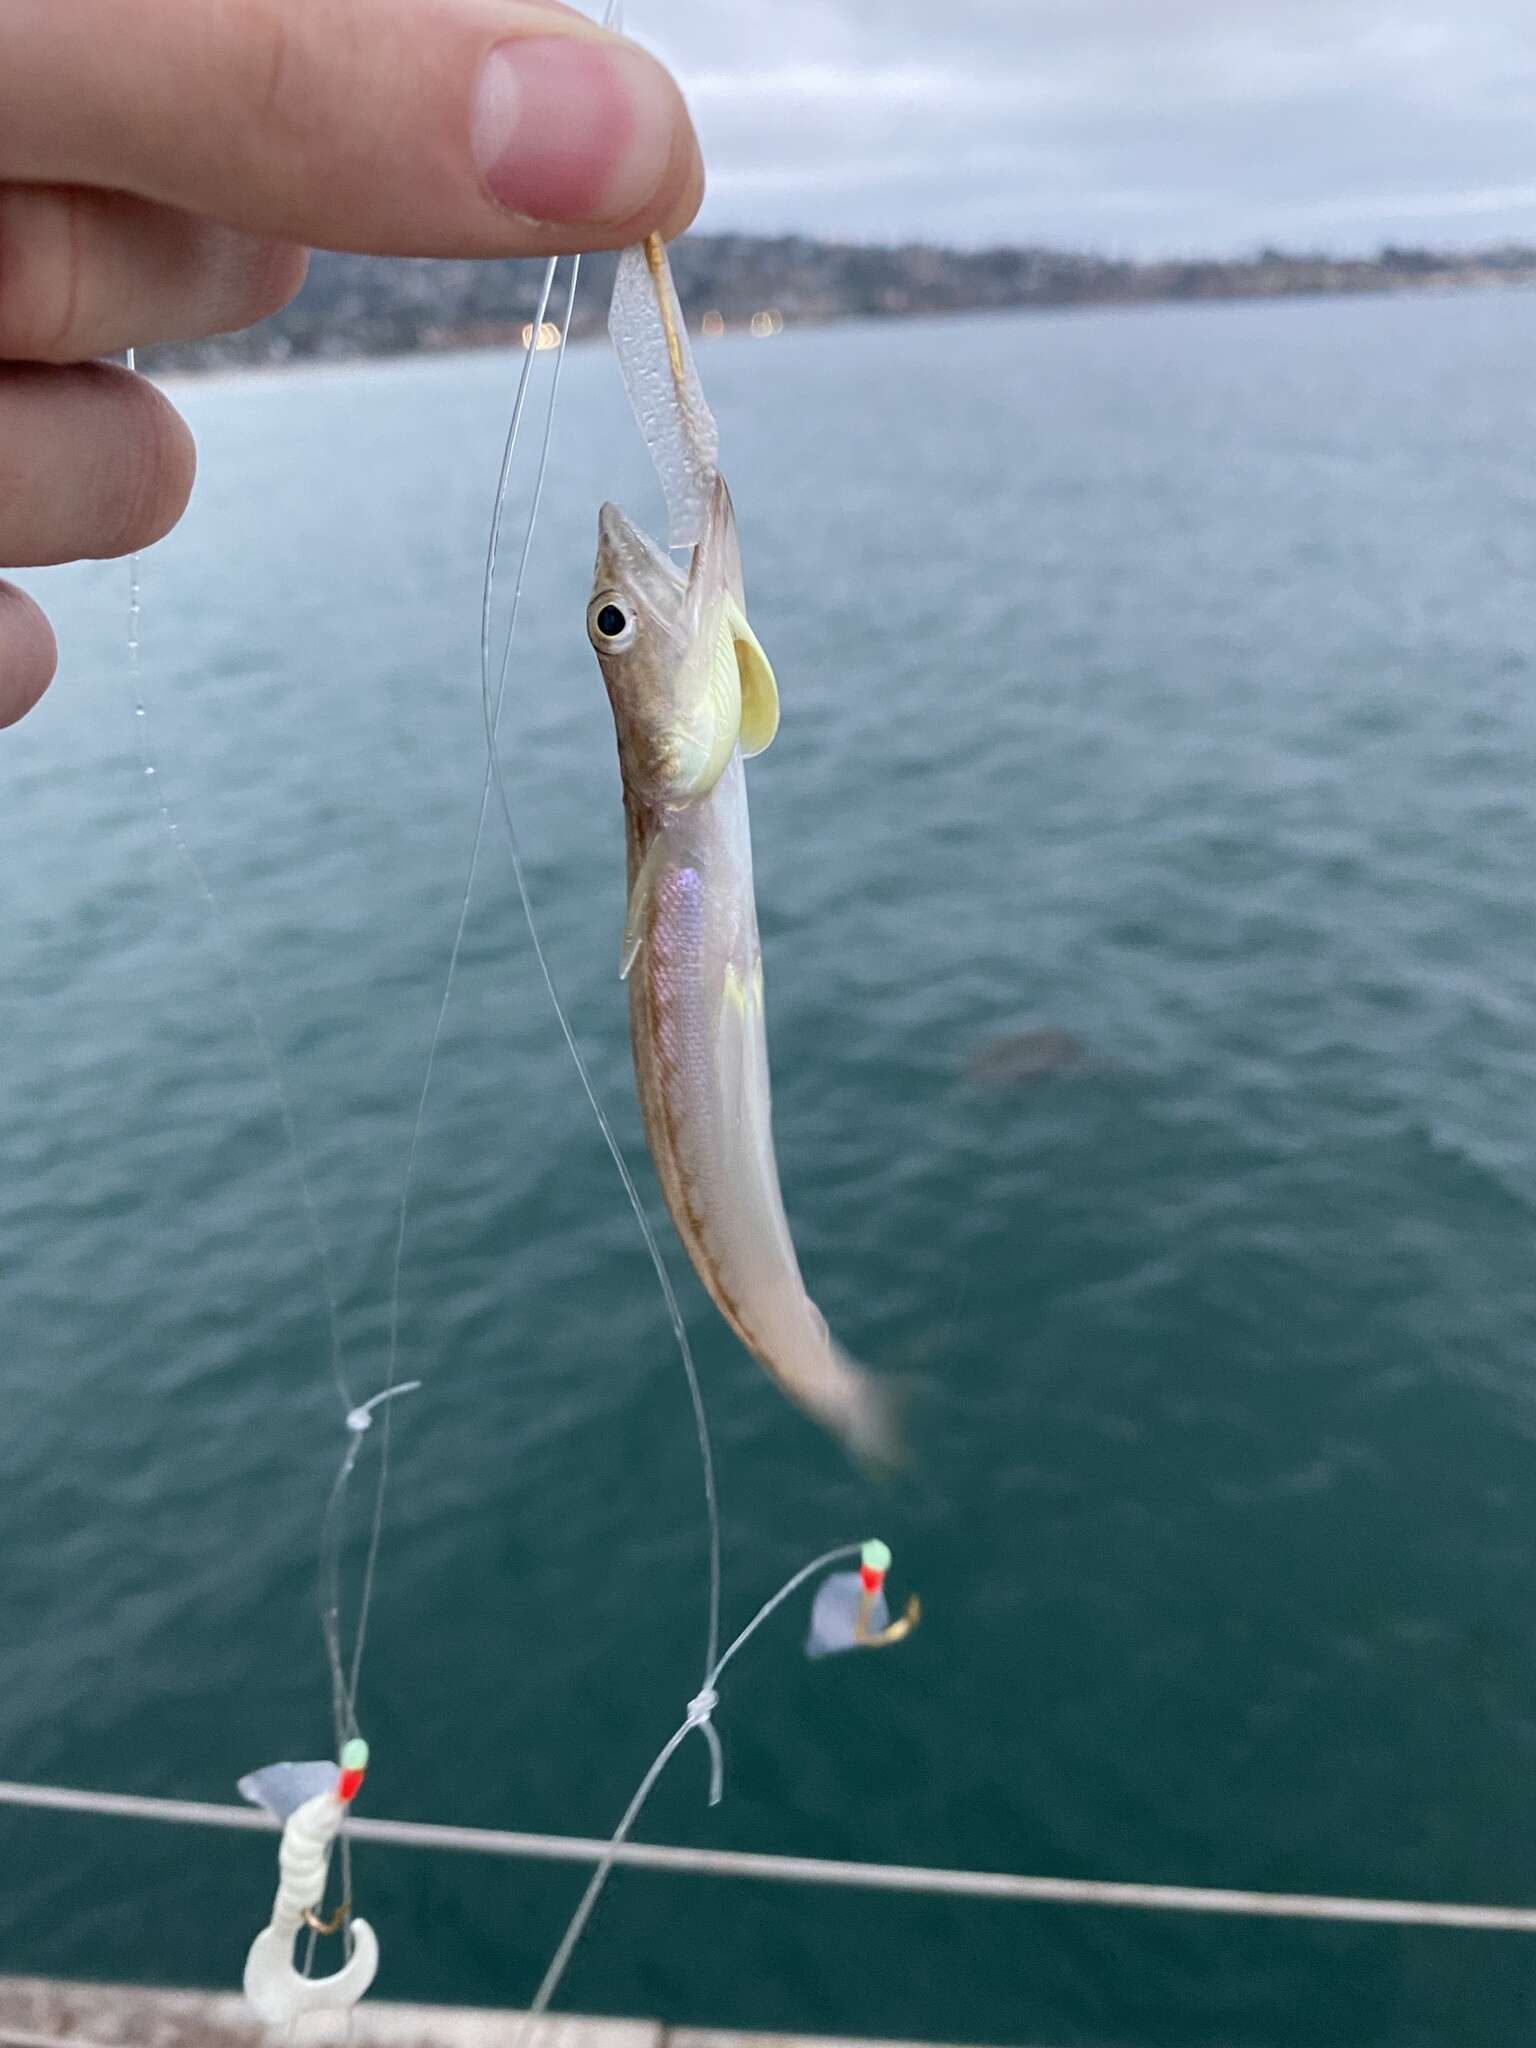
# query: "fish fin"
640,893
869,1411
864,1412
876,1426
759,690
715,570
737,1059
746,1099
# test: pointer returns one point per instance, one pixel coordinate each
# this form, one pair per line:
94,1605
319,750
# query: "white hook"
279,1992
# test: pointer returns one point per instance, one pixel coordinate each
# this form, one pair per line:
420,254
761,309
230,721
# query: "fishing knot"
702,1706
361,1417
700,1715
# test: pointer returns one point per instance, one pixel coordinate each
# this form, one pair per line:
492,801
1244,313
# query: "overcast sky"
1132,126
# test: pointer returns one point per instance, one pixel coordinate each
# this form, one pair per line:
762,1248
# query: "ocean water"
1164,678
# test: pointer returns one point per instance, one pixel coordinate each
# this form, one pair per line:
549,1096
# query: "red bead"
351,1783
870,1579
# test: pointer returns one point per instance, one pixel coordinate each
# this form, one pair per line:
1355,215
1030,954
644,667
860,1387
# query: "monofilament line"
418,1124
698,1716
319,1248
434,1043
328,1567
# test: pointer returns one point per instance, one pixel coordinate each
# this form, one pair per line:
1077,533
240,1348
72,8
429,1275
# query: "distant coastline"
359,306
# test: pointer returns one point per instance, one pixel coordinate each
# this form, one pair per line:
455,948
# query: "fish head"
675,657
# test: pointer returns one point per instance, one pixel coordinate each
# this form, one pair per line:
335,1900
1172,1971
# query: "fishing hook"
893,1632
874,1563
277,1990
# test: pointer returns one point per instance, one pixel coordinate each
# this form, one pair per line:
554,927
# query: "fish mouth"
625,555
614,530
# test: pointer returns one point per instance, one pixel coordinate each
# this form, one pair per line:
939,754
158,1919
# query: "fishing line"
700,1709
492,705
408,1181
319,1248
514,428
358,1416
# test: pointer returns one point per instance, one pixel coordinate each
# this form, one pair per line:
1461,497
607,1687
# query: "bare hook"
893,1632
874,1563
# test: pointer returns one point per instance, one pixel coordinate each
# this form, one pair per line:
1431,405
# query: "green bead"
876,1555
354,1756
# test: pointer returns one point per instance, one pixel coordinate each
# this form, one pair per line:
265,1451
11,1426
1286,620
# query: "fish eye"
610,624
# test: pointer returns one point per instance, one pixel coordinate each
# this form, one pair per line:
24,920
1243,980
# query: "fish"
693,697
1025,1056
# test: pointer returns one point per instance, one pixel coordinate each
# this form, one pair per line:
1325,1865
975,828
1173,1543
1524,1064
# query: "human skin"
165,166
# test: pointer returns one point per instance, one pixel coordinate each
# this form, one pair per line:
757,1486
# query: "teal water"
1164,678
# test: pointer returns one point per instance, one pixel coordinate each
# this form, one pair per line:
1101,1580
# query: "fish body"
1024,1056
692,692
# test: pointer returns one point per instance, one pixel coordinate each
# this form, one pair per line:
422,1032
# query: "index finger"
408,127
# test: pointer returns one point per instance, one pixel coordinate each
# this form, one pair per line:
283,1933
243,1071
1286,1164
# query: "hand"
164,165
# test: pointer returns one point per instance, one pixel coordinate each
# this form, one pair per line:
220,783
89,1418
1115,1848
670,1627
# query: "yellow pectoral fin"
759,691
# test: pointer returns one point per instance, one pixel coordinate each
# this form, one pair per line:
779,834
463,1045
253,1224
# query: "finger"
425,127
93,461
87,273
28,654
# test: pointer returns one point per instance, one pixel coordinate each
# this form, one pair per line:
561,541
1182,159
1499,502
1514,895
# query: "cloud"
1139,126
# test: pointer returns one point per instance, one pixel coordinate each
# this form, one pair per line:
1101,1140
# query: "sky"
1132,127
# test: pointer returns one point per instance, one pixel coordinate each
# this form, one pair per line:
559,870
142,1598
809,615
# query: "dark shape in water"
1025,1056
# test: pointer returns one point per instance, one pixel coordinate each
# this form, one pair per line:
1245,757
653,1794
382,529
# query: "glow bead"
354,1767
876,1556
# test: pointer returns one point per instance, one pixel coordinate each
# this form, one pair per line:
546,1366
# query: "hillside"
368,306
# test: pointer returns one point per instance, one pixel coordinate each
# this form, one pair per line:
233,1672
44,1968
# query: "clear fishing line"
358,1417
434,1044
700,1709
319,1248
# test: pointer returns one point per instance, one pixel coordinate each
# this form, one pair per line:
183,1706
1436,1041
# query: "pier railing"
812,1870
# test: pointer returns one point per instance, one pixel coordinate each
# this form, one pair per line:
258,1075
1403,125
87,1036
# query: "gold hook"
894,1632
334,1925
656,263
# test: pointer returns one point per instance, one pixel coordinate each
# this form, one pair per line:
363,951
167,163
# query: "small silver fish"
692,693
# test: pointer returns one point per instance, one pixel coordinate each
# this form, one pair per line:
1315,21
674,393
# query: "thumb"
410,127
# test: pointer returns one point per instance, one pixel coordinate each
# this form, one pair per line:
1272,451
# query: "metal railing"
820,1870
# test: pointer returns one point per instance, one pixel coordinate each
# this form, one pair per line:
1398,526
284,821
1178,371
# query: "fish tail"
867,1414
